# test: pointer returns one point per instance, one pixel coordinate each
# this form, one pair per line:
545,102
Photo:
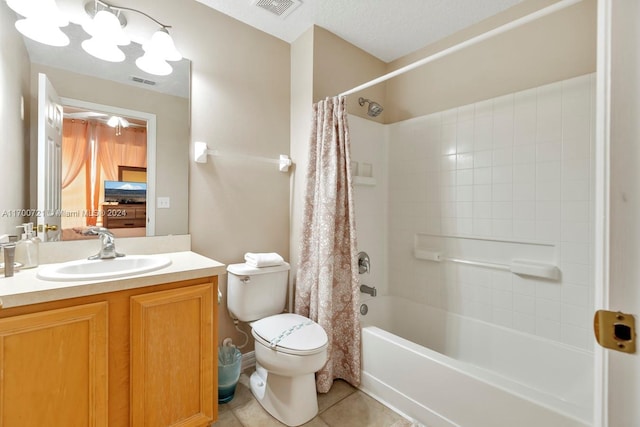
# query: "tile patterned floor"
343,406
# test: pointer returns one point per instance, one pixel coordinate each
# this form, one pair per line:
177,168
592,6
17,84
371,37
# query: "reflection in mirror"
121,85
104,173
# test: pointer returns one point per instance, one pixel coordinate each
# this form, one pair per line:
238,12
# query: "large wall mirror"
108,170
83,81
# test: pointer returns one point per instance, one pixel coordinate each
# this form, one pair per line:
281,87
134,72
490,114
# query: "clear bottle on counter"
27,249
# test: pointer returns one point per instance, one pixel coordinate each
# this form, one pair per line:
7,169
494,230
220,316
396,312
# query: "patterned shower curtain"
327,284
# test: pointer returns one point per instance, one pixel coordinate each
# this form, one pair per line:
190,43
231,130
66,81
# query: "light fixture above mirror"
106,26
41,21
157,52
107,33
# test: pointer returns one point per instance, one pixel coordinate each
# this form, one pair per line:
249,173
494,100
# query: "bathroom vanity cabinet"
54,365
136,357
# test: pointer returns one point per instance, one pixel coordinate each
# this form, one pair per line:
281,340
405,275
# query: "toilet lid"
290,332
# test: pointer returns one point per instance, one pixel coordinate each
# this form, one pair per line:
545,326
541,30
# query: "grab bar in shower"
517,266
201,151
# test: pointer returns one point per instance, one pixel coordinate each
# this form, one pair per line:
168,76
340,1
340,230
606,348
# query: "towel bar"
201,151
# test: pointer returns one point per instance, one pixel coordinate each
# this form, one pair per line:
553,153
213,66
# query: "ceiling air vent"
281,8
143,81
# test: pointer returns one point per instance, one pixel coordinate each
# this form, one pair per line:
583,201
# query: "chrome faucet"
371,290
107,243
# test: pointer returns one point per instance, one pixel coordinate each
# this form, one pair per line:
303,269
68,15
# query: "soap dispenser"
27,248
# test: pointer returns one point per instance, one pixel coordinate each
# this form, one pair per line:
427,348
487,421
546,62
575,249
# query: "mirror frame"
151,148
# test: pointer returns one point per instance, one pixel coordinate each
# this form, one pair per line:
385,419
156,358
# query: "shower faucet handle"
364,263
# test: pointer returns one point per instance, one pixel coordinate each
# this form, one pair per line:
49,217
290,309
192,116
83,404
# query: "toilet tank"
254,293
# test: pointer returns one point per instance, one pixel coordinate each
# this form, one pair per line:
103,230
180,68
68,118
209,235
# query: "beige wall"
339,66
240,104
556,47
322,65
14,145
172,139
301,107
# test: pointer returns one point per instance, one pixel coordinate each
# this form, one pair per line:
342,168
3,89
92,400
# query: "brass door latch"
615,330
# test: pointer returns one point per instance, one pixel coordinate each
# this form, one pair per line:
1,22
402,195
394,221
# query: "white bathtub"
443,369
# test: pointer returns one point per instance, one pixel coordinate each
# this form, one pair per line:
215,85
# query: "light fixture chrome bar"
93,7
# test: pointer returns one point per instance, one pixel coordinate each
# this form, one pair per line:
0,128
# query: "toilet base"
291,400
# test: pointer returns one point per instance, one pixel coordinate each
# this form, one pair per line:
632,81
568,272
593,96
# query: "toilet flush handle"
245,279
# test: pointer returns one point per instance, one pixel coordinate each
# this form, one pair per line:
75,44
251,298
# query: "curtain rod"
477,39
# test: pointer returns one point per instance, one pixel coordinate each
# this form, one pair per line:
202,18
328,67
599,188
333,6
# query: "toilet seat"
290,333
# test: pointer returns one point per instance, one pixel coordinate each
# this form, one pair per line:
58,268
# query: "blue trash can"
229,363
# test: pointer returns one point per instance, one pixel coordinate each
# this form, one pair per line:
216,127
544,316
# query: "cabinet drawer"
125,216
125,222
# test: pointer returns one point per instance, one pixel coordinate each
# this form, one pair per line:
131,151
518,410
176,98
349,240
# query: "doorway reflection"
98,149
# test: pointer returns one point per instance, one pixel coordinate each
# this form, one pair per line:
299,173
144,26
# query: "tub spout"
371,290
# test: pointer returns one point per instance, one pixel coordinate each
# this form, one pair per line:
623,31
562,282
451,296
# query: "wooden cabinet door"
172,377
54,368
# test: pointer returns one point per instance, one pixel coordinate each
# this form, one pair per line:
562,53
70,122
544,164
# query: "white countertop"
25,288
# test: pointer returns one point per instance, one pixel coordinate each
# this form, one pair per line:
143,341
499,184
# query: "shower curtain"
327,288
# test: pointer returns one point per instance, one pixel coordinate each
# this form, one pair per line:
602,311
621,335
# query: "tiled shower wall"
369,143
517,168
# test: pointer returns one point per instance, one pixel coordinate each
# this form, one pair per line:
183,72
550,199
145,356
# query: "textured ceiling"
387,29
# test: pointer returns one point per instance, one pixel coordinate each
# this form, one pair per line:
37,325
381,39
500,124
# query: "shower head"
374,108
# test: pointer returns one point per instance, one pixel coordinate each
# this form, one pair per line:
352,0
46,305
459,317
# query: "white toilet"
289,348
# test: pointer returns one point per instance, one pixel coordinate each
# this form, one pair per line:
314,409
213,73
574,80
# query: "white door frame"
617,203
49,163
601,217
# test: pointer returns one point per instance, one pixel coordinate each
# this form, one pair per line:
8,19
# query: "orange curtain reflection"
92,184
96,147
127,149
75,142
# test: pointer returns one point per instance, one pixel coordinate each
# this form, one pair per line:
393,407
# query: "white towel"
268,259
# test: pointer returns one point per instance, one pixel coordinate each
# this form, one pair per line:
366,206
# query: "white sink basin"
103,268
